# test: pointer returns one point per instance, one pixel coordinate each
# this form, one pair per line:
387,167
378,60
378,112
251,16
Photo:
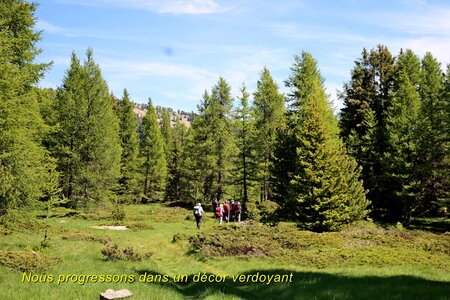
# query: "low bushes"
113,252
353,246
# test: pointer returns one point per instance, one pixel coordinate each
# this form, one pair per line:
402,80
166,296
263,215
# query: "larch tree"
199,155
25,166
87,143
195,171
167,134
269,114
154,167
213,150
245,164
433,148
129,140
221,127
401,159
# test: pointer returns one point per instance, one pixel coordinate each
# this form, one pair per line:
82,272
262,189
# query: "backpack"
219,211
196,211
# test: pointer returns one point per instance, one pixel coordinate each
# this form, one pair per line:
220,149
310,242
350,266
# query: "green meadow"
163,256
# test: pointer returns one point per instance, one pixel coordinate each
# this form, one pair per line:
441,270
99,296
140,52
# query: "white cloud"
142,68
180,82
429,20
439,47
422,28
316,33
48,27
193,7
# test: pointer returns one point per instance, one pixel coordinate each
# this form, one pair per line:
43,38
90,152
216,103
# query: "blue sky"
172,50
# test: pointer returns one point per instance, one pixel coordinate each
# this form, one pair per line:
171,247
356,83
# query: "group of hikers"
228,211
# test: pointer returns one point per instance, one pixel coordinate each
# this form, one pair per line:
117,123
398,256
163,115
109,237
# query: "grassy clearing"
362,261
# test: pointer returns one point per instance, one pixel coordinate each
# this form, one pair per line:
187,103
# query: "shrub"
20,220
26,261
179,237
139,226
83,236
113,252
268,212
118,212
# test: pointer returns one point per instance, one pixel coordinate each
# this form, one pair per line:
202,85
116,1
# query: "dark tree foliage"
367,97
175,166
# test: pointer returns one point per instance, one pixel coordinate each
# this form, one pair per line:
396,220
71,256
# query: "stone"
112,294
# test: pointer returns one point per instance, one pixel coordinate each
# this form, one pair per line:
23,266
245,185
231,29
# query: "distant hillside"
175,116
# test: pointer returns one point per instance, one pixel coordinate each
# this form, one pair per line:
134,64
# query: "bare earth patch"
111,227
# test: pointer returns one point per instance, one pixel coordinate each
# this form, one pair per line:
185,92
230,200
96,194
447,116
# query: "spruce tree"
25,167
269,114
154,166
87,144
129,164
369,92
358,95
326,185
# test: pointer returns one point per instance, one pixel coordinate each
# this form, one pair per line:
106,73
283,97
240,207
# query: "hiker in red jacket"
226,211
219,213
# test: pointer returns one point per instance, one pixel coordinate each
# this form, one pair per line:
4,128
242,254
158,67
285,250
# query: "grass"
363,261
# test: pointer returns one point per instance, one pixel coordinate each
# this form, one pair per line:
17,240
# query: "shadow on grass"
437,225
310,285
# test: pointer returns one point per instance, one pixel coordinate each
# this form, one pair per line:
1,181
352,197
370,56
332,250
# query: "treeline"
386,155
